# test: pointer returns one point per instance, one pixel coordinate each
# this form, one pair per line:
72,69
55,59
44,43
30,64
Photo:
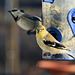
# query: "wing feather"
32,17
50,41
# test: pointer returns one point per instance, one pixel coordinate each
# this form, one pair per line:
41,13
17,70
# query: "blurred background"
19,52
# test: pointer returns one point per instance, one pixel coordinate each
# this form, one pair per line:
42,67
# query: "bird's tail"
71,55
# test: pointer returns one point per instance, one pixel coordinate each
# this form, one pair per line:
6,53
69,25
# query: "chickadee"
49,44
26,21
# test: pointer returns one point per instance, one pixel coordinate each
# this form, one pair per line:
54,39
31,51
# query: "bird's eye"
22,10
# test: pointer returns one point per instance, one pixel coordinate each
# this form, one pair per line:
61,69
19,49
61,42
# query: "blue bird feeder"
59,18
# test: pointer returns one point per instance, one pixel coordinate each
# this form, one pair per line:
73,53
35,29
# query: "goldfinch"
49,44
26,21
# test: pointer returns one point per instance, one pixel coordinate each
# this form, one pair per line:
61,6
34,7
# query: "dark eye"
22,10
43,29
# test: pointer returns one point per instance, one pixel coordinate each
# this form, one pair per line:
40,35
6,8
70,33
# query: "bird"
49,44
24,20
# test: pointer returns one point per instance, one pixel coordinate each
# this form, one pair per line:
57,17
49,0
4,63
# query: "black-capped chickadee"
26,21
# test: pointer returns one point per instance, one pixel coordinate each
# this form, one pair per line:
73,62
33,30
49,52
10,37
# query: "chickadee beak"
9,11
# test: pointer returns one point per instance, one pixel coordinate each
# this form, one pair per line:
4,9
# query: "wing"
31,17
28,22
49,40
55,44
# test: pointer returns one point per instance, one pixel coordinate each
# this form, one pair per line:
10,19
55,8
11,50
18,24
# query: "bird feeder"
59,18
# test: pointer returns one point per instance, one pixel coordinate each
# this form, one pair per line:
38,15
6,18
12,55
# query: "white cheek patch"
15,14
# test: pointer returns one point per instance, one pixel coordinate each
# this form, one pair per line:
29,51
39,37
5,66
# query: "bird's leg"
51,54
31,32
46,55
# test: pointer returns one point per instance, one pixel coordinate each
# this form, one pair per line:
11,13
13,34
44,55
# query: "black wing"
35,18
54,44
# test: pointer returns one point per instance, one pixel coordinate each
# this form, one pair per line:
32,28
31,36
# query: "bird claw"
48,54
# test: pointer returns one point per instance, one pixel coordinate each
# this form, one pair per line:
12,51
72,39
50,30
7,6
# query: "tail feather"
71,55
68,53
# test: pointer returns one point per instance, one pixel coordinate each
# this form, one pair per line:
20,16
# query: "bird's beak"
38,31
9,11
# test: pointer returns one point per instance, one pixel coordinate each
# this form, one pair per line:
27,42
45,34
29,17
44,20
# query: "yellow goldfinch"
49,44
